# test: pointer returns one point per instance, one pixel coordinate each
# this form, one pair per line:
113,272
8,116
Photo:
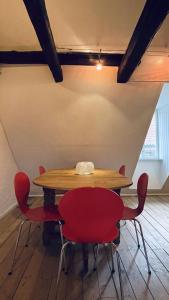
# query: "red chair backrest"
22,188
122,170
41,170
142,185
91,213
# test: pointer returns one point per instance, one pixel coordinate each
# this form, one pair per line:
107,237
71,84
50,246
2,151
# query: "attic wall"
8,168
87,117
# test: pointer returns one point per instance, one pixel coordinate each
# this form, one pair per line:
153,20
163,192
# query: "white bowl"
84,167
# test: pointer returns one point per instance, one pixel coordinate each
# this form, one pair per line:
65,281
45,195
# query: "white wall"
87,117
8,168
154,168
158,170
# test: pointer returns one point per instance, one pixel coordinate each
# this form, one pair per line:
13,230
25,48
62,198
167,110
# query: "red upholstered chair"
41,170
132,214
90,216
38,214
122,170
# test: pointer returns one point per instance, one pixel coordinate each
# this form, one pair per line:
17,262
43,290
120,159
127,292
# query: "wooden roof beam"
65,58
152,16
38,15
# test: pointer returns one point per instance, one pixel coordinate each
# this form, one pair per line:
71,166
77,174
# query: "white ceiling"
78,24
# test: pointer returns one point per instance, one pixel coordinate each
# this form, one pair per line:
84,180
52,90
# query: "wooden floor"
34,276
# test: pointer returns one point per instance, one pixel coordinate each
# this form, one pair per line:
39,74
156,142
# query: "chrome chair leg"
120,278
138,243
16,246
112,258
62,243
95,257
29,230
60,263
112,269
144,245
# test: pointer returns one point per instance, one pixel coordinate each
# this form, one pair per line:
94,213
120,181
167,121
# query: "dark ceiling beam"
90,59
22,57
69,58
152,16
37,12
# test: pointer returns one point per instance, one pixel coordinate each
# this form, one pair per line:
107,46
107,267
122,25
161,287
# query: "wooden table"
67,179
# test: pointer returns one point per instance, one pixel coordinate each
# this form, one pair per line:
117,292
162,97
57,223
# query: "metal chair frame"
17,243
142,185
143,241
113,250
27,241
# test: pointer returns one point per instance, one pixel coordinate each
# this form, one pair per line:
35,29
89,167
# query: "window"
150,147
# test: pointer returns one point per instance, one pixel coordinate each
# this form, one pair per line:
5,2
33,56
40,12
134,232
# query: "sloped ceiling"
78,24
84,118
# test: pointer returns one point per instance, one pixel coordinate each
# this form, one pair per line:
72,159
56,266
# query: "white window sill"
150,159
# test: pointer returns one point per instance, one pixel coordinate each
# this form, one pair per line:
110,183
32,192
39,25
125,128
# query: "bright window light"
150,147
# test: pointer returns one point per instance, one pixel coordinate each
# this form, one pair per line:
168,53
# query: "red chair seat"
43,214
129,213
132,214
38,214
90,215
94,238
122,170
42,170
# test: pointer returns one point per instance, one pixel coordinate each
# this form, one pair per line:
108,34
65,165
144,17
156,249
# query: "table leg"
85,250
48,227
117,191
49,197
117,240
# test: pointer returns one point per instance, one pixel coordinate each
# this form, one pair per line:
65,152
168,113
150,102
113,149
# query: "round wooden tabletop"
67,179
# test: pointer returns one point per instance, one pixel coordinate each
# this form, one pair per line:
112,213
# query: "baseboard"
12,207
41,195
35,195
149,194
122,194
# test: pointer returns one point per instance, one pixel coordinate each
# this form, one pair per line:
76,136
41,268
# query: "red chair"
39,214
90,216
131,214
42,170
122,170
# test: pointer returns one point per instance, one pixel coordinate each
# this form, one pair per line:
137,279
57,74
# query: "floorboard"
35,272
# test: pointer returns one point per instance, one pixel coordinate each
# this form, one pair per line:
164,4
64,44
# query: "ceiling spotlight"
99,65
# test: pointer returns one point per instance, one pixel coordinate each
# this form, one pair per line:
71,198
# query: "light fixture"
99,65
84,168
